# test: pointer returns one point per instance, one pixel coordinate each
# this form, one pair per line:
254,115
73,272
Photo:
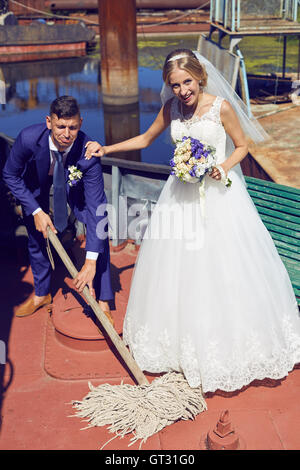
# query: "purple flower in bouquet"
192,159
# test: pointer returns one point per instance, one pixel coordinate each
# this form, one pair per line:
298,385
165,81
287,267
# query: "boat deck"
279,155
42,376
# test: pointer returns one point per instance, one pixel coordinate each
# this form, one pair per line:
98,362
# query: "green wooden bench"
279,209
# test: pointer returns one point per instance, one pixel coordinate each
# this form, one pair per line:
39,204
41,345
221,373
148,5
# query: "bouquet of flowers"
193,159
75,175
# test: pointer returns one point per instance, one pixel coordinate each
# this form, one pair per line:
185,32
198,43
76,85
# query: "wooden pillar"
118,47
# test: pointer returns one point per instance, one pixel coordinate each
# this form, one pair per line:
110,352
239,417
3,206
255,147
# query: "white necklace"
191,115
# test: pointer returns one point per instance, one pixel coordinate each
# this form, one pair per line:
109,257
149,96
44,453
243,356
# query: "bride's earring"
200,86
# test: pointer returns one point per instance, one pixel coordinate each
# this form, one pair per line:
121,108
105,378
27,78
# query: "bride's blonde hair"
187,61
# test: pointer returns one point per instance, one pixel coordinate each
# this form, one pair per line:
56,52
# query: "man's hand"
95,149
86,276
42,221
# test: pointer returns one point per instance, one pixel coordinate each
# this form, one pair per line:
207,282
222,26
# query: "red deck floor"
42,376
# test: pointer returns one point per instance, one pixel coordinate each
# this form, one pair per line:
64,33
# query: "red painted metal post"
122,123
223,436
118,48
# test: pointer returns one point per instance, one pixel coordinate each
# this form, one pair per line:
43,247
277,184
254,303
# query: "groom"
39,158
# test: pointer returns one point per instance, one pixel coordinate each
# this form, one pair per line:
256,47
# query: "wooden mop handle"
117,341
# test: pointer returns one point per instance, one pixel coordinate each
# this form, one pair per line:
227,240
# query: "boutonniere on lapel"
75,175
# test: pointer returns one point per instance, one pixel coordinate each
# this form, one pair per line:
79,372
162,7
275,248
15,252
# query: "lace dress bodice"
208,127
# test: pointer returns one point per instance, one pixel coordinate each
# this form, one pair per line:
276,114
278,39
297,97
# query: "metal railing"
132,191
230,12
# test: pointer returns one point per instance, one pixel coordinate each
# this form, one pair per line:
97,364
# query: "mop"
142,409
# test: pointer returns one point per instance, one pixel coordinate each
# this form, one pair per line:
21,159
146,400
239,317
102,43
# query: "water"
32,86
29,99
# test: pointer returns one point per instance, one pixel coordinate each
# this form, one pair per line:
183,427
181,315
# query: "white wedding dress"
210,296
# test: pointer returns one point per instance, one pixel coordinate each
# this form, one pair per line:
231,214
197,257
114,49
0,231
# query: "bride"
210,296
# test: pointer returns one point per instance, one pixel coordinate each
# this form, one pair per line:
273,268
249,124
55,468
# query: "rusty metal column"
118,46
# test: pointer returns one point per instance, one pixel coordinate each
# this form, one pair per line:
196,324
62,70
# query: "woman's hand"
93,149
216,174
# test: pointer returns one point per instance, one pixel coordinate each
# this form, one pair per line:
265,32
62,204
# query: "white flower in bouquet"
193,159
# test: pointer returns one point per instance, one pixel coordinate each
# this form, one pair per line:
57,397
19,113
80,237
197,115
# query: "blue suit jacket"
26,174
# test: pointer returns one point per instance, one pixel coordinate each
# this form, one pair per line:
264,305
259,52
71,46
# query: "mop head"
142,410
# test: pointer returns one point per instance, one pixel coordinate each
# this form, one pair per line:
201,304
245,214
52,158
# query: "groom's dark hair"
64,107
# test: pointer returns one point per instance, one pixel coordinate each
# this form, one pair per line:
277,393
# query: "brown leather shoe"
28,307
